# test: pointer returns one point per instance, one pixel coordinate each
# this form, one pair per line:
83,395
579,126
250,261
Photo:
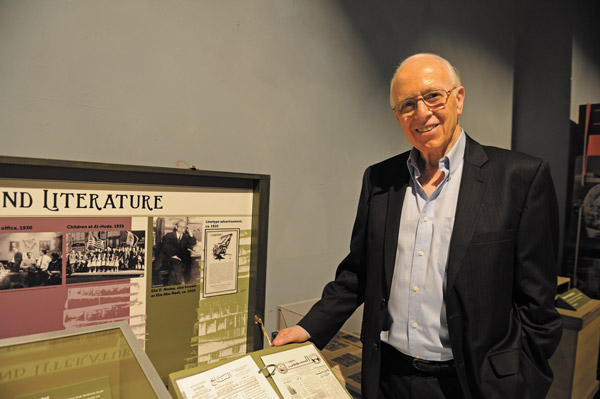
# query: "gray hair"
452,71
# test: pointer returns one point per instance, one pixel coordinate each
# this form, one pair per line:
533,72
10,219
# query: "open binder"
285,372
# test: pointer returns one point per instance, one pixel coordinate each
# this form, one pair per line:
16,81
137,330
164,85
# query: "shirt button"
415,325
426,219
420,253
416,288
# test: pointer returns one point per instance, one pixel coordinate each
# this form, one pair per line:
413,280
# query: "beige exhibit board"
172,261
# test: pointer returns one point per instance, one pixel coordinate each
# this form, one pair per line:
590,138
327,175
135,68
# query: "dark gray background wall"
557,68
294,89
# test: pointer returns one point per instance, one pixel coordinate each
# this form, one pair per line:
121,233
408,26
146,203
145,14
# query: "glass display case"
97,362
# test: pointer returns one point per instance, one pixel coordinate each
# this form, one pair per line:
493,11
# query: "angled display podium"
100,362
575,361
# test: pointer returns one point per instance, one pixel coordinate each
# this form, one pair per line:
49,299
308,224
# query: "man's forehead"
424,71
417,84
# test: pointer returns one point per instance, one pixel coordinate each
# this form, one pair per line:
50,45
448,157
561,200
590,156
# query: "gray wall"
557,68
294,89
585,83
543,87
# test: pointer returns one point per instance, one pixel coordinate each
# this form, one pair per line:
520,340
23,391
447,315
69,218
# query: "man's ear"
460,99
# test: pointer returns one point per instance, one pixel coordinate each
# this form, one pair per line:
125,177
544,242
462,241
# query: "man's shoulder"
169,236
387,172
502,157
512,158
390,164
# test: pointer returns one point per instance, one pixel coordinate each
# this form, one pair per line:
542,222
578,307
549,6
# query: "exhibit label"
69,202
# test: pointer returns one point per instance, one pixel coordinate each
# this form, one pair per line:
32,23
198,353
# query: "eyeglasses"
432,99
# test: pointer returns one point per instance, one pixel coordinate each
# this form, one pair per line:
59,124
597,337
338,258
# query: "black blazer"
501,273
170,246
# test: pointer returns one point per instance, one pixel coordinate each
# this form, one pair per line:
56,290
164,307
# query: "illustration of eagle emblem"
220,249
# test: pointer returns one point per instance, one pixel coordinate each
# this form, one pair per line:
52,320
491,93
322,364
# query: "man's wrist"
307,333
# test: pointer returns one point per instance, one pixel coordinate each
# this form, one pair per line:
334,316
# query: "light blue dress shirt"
416,303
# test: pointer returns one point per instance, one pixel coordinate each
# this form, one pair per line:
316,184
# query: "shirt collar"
449,163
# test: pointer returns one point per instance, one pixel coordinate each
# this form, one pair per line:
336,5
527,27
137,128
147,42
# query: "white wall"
294,89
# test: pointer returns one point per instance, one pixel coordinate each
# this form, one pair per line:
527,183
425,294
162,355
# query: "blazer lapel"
392,223
472,189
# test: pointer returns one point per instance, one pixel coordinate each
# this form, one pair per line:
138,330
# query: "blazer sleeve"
535,280
343,295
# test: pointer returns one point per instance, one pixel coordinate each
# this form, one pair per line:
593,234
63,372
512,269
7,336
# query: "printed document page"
238,379
302,373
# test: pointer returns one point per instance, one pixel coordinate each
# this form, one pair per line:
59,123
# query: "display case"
97,362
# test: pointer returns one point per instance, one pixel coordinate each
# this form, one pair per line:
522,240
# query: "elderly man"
453,253
175,249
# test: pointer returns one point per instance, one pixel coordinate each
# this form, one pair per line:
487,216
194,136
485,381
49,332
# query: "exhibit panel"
581,260
179,254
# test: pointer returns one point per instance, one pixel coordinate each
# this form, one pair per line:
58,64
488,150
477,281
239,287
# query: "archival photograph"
105,255
30,259
177,253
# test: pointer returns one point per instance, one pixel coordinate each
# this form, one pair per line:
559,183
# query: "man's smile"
427,128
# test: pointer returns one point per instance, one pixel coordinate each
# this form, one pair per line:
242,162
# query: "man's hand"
291,334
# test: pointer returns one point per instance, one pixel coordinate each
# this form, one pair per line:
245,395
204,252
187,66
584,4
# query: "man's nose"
422,108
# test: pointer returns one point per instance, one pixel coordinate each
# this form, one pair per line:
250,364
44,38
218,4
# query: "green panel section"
223,320
171,315
184,329
223,325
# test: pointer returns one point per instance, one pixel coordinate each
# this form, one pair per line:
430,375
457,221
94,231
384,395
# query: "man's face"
181,227
431,131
